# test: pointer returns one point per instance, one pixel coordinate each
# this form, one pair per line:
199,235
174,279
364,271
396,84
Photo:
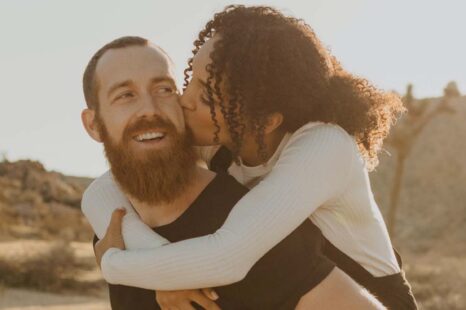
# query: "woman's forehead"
202,57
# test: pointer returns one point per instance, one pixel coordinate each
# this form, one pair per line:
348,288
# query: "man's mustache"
146,124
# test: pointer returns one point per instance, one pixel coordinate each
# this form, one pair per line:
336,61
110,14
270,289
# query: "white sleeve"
98,202
313,168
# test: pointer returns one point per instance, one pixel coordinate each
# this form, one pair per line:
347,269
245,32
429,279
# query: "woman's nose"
187,101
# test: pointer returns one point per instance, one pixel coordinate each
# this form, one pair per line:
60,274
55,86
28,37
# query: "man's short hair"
90,86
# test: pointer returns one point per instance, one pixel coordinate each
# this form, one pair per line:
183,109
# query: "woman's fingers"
169,300
184,306
114,228
201,299
113,237
210,293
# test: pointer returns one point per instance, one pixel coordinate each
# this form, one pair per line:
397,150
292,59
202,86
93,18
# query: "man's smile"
149,136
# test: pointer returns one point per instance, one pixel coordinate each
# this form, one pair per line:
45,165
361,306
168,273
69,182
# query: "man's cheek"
119,131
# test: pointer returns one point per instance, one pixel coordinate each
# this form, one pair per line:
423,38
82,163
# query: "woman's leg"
339,291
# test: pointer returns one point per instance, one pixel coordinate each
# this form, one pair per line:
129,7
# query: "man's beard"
153,176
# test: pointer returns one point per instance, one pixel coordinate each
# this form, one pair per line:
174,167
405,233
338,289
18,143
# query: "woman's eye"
205,97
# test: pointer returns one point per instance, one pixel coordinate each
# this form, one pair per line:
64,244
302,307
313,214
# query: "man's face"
141,124
135,84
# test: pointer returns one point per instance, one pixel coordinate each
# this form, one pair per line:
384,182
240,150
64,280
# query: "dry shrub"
51,221
54,270
65,223
438,282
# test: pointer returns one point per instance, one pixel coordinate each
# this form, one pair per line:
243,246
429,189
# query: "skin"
143,87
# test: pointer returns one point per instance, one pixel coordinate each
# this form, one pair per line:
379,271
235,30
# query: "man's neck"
166,213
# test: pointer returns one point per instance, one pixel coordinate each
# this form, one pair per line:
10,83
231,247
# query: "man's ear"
88,118
274,121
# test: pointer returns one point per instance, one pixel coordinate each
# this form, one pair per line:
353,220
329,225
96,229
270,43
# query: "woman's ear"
274,121
89,122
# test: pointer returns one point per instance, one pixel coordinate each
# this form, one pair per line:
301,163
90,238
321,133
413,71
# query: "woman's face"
197,113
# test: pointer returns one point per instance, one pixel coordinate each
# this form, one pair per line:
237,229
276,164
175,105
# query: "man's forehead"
133,60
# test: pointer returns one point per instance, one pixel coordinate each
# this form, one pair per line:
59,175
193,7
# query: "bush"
54,270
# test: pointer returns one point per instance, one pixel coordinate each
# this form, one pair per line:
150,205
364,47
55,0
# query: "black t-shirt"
277,281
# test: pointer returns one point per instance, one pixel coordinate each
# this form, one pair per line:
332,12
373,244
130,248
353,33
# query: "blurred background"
46,159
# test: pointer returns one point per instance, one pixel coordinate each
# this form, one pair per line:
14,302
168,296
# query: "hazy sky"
45,45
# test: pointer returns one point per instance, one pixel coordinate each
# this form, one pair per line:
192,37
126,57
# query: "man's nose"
149,106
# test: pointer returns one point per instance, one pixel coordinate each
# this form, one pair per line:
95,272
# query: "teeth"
149,136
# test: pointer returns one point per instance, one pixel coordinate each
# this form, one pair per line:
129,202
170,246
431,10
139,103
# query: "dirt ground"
28,299
439,282
16,299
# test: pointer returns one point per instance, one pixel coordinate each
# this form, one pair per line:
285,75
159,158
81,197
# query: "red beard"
157,176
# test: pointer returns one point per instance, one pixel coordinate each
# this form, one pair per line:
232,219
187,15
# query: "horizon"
48,44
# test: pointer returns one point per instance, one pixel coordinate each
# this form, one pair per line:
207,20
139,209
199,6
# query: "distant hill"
35,202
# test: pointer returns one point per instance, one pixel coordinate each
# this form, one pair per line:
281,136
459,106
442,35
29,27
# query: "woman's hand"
181,300
113,237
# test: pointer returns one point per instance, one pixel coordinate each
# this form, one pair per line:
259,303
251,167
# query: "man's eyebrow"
163,79
118,85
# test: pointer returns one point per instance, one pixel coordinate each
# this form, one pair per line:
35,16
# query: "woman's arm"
101,198
313,168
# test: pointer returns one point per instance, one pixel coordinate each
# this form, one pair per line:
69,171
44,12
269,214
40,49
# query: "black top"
277,281
393,290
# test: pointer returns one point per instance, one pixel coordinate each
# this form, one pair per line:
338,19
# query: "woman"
302,132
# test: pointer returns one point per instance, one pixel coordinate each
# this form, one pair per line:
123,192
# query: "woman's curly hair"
266,62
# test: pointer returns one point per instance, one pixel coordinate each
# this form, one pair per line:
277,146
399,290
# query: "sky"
46,44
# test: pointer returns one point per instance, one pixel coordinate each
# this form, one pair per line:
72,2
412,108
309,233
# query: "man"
133,110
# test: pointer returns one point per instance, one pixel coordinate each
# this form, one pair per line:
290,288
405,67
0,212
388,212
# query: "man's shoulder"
106,179
103,188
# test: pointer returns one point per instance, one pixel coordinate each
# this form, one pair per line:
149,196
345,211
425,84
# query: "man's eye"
126,95
165,91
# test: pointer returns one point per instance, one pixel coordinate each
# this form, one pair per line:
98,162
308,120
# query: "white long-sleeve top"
316,173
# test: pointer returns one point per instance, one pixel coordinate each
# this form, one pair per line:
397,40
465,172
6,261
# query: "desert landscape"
47,261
